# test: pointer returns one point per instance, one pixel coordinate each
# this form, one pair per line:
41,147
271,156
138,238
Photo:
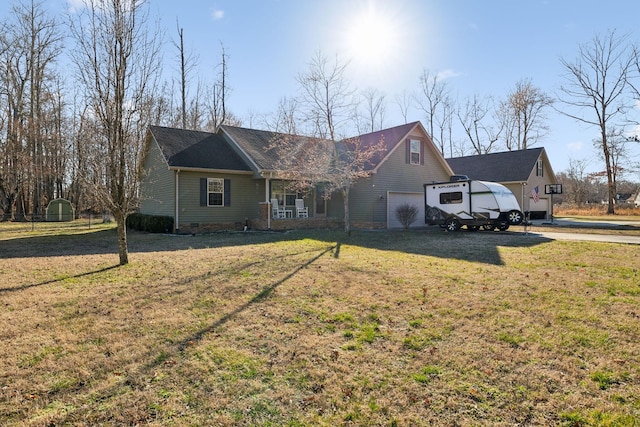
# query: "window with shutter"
415,152
215,192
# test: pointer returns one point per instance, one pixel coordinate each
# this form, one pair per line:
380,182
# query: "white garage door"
396,199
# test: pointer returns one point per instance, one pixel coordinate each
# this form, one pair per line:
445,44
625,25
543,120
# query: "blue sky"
484,46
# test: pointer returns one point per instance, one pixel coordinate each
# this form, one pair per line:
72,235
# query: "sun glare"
370,37
373,38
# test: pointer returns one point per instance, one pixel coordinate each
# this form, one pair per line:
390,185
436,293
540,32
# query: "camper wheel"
503,227
473,227
515,217
452,224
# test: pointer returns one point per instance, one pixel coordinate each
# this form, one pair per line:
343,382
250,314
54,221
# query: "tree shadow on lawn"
479,246
48,282
260,296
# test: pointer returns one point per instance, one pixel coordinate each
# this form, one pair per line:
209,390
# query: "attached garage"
396,199
539,209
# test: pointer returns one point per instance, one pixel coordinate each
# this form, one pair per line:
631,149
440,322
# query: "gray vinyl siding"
246,193
369,196
157,186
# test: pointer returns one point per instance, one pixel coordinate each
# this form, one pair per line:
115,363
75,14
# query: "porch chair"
276,211
301,210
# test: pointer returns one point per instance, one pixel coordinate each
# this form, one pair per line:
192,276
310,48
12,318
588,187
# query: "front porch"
267,221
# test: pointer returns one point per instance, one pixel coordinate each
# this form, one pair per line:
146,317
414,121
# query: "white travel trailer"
474,204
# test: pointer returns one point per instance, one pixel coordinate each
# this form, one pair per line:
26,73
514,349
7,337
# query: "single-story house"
527,173
228,180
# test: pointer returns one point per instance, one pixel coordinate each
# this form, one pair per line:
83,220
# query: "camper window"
449,198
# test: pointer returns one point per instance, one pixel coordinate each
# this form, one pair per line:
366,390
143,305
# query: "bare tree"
597,81
308,163
432,98
219,92
326,104
473,118
187,63
284,120
618,151
326,96
373,110
29,47
523,115
117,62
403,101
578,182
444,124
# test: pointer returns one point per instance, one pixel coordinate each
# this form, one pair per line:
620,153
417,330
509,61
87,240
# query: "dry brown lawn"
315,328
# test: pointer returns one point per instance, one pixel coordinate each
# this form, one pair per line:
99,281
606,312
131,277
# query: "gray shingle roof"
391,138
506,166
195,149
256,143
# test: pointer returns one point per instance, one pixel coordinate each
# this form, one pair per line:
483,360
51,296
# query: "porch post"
266,198
525,209
176,225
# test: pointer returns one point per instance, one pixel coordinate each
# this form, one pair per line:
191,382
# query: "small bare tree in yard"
117,63
326,103
308,163
597,81
406,214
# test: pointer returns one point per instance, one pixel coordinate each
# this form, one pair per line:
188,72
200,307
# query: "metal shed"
60,210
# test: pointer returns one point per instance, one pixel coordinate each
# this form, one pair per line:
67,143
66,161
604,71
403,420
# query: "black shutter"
408,147
227,192
203,191
422,152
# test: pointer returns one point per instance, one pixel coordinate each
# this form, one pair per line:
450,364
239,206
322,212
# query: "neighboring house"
226,180
521,171
625,199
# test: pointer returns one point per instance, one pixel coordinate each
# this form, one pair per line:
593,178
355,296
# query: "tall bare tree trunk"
598,81
118,65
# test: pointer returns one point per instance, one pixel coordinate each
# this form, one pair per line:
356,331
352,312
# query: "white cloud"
447,74
575,146
217,14
634,132
75,5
